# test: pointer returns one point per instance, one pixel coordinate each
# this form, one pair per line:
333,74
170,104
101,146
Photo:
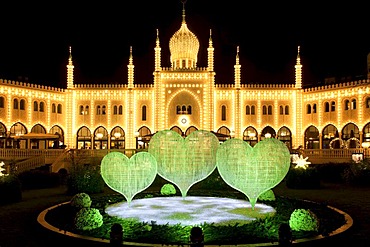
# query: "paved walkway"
22,229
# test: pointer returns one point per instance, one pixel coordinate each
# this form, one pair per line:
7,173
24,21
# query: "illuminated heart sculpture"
253,170
184,162
128,176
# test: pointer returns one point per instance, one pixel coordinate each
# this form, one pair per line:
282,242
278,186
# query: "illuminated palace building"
183,98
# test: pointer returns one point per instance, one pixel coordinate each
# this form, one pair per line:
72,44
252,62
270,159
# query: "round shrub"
267,196
303,220
11,189
81,200
168,189
88,219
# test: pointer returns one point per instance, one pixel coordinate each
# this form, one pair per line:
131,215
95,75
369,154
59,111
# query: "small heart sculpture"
253,170
128,176
184,162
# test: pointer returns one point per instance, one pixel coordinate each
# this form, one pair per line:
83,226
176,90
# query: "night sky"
35,38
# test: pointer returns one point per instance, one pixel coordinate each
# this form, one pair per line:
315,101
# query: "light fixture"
365,144
268,135
117,135
99,135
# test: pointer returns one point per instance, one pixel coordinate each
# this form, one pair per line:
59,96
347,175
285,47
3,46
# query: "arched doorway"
268,132
117,138
285,135
312,138
250,135
101,138
84,138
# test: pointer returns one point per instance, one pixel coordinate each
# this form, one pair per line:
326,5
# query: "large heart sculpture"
255,170
128,176
184,162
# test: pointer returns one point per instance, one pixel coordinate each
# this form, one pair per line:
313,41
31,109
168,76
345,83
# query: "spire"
130,71
298,70
70,68
210,50
237,67
183,10
157,54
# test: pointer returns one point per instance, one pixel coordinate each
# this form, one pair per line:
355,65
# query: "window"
353,104
332,108
115,110
264,110
247,110
346,105
281,110
368,102
120,110
308,109
189,109
87,110
15,104
269,110
253,110
223,113
53,108
103,111
1,102
143,113
35,106
59,108
286,110
178,109
314,108
42,106
98,110
81,110
22,105
326,106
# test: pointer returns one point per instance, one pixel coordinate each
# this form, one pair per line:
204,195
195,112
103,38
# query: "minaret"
237,67
211,51
298,71
130,71
70,70
157,54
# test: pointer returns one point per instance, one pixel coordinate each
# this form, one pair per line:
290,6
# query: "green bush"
357,173
88,219
10,189
81,200
303,220
168,189
267,196
85,178
303,178
39,179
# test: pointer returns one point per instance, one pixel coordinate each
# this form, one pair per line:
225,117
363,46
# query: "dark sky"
35,37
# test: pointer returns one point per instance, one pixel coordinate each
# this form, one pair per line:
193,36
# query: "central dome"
184,47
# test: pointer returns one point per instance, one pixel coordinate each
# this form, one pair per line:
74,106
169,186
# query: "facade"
184,98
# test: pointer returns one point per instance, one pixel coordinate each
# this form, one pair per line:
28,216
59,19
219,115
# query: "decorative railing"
322,156
26,165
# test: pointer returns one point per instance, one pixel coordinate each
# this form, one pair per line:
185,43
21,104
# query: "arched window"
326,106
353,104
281,110
286,110
223,113
247,110
332,108
59,109
98,110
42,106
115,110
253,110
35,106
87,110
178,109
314,108
81,109
189,109
264,110
15,104
53,108
269,110
308,109
120,110
1,102
103,111
346,105
143,113
368,102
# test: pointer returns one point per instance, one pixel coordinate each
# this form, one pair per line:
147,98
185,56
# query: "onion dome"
184,47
